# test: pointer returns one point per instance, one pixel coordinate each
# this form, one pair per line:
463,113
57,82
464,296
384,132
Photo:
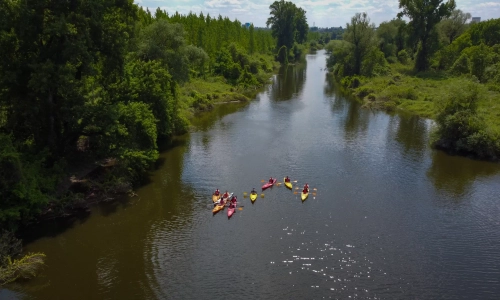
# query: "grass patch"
418,93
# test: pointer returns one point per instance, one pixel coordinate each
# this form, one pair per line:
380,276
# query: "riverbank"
426,94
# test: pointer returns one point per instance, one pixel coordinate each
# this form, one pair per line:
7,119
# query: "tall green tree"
55,45
454,25
288,24
424,16
361,34
392,37
301,25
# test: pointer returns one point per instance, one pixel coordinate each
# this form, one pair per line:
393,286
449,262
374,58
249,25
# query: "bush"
392,59
24,268
403,57
352,82
461,66
395,93
460,128
364,91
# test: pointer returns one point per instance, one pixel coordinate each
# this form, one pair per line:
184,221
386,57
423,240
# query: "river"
391,218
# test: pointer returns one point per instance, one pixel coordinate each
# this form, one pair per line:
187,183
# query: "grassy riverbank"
420,93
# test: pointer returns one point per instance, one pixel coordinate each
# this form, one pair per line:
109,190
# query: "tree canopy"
288,24
424,15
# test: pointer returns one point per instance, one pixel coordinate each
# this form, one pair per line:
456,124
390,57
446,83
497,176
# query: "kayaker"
226,194
253,191
216,193
234,199
287,179
271,180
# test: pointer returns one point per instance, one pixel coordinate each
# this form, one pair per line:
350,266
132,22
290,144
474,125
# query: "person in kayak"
271,180
253,191
226,194
216,193
287,179
234,199
306,189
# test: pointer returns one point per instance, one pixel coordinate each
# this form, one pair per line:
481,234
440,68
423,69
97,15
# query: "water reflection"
411,133
289,82
456,175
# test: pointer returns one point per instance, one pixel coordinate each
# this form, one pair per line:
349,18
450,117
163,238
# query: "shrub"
24,268
461,65
460,128
403,56
392,59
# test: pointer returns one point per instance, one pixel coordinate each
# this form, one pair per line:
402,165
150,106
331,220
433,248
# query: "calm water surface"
392,219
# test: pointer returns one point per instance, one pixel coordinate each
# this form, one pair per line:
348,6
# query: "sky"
321,13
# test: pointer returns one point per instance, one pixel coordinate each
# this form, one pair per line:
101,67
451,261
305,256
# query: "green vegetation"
23,268
460,87
289,26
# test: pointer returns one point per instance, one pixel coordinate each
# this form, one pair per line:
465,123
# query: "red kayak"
231,209
269,184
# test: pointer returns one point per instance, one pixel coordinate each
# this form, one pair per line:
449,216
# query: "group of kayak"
221,200
288,184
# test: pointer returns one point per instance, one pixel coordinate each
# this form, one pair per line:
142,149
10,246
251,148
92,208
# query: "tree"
288,24
301,25
454,25
361,34
424,16
392,37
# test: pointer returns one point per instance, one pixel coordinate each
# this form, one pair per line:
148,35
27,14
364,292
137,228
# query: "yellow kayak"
253,196
288,184
219,207
216,198
303,195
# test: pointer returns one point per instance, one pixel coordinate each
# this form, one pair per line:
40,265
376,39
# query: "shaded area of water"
392,219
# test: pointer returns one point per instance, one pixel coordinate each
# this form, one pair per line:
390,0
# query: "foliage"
288,25
403,56
424,16
102,79
460,127
24,183
10,246
392,37
357,54
24,268
360,33
453,26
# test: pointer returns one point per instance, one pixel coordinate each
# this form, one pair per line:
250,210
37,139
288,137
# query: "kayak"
219,207
253,196
216,198
269,184
288,184
230,210
304,196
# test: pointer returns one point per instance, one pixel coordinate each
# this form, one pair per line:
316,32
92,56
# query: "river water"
391,218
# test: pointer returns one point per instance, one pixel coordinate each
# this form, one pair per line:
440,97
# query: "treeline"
393,66
85,81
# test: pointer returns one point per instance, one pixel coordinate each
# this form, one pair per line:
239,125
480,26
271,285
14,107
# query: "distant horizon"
321,13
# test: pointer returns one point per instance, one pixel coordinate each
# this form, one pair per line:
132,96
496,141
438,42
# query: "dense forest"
94,87
437,65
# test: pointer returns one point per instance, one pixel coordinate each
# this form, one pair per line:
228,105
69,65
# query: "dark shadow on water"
52,228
